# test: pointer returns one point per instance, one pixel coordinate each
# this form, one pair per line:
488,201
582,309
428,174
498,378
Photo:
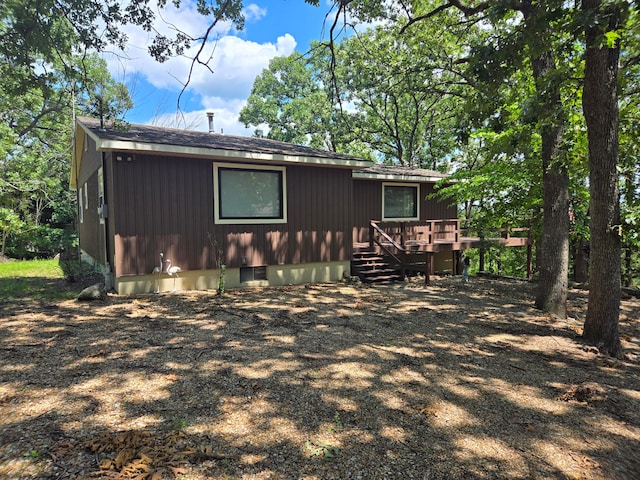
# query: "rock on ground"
93,292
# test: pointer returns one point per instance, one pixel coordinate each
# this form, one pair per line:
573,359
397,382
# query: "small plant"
180,423
323,450
223,269
337,420
337,423
76,270
219,259
33,455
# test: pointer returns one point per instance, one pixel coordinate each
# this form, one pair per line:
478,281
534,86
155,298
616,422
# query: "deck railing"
410,243
408,234
404,256
411,233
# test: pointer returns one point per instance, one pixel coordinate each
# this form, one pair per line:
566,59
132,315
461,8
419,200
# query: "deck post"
427,267
481,252
529,253
371,232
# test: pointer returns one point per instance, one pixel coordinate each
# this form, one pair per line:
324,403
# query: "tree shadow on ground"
447,381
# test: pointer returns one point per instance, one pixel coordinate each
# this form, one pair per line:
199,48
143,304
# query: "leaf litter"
329,381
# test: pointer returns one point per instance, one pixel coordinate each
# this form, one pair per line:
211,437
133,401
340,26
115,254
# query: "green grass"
30,268
33,279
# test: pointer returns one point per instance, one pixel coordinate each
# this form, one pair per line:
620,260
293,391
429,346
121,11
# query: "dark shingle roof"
194,139
399,172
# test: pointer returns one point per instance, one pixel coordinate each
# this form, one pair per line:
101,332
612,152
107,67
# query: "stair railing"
373,239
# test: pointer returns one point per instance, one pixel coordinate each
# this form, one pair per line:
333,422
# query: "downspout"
68,252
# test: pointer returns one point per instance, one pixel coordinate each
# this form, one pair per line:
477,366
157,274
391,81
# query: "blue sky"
272,28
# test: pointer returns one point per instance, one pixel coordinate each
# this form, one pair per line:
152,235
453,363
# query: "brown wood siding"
367,205
91,161
318,222
165,204
90,227
109,194
434,209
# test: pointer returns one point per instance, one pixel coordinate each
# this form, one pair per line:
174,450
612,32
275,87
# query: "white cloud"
225,119
253,13
234,63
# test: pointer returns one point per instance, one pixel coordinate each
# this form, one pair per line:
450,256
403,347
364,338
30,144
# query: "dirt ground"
403,381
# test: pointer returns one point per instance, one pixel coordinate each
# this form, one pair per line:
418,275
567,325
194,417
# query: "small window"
101,205
80,207
248,274
250,194
400,201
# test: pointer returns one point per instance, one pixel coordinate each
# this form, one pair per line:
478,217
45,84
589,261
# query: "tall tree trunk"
600,106
554,243
628,268
581,261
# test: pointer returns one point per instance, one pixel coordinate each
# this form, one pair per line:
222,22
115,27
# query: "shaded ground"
320,382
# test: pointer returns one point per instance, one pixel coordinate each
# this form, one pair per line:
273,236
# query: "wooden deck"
438,236
410,245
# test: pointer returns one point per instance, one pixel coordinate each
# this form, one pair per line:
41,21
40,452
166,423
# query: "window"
102,208
248,274
80,207
400,201
253,194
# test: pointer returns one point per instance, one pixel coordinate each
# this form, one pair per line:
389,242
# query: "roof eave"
220,154
396,177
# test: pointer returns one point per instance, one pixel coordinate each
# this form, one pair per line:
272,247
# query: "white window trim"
397,184
248,221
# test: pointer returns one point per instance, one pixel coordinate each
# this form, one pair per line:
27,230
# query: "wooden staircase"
371,267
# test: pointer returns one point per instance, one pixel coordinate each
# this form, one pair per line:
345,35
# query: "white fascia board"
201,152
395,178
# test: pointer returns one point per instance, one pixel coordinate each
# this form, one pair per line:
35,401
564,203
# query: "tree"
404,93
554,264
9,222
288,102
34,151
605,21
521,43
375,102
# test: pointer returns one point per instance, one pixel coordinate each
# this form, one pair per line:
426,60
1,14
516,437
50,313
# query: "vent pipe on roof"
210,118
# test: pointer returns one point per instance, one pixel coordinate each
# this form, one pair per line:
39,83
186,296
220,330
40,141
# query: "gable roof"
171,141
398,173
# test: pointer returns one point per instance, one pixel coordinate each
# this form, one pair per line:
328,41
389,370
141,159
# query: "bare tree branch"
203,42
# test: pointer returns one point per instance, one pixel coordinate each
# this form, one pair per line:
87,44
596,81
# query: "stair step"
379,271
372,267
366,255
382,278
369,263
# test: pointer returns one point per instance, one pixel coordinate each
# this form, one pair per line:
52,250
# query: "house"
402,199
271,212
400,226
